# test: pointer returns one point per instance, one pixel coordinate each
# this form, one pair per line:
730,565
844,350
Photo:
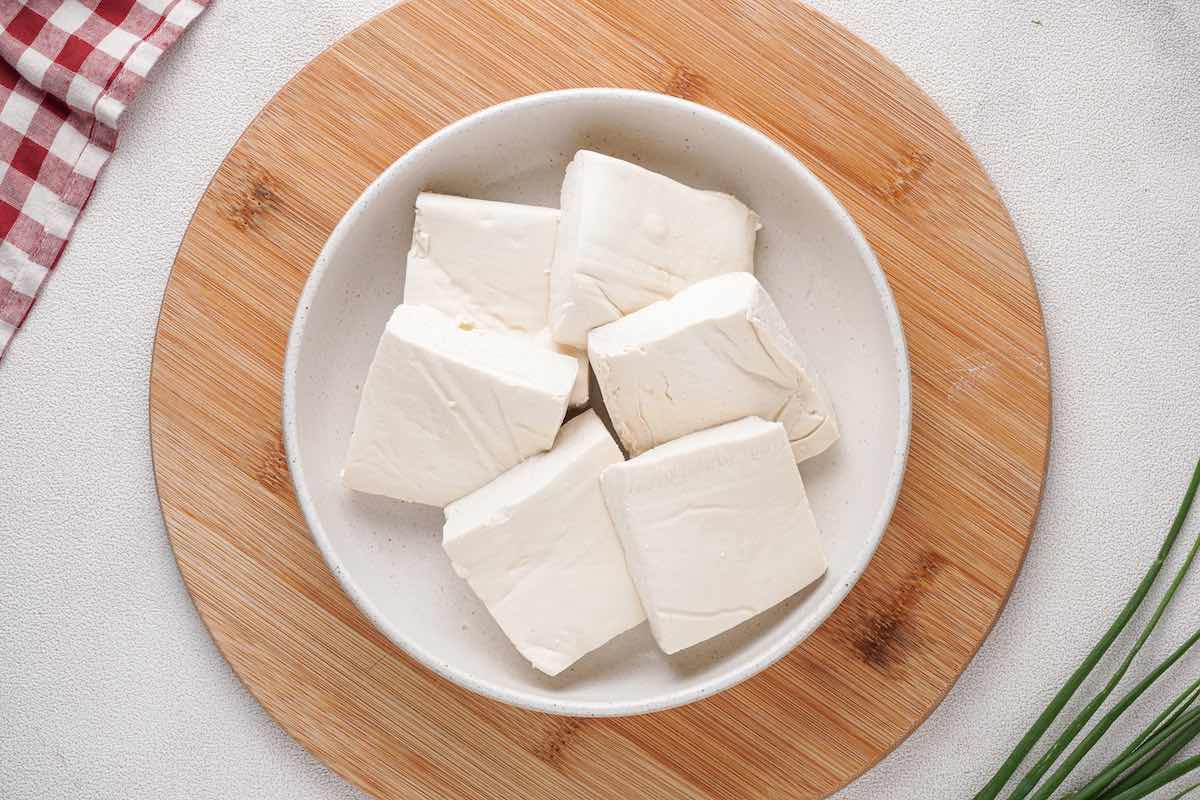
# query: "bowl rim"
663,700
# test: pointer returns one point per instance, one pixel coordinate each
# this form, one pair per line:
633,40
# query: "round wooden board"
981,419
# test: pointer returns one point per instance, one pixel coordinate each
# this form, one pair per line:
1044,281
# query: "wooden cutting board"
981,422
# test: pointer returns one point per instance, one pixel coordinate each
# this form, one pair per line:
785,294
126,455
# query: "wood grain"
981,424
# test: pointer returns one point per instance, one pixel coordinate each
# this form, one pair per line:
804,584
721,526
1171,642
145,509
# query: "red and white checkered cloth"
69,68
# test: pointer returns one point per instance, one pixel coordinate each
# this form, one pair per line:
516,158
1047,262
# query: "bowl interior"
810,257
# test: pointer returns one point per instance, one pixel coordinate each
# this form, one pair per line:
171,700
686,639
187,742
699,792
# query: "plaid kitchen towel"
68,69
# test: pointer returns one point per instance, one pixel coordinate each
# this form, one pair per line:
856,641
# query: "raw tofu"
629,237
487,265
539,549
716,528
718,351
444,411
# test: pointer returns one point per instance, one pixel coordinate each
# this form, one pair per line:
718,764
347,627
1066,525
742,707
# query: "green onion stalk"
1145,764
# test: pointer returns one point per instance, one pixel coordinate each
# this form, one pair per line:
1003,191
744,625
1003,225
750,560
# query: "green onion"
1068,766
1187,791
1175,740
1160,779
993,787
1046,761
1170,734
1178,706
1174,717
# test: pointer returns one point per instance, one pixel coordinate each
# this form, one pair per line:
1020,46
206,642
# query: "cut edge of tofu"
427,198
563,326
723,295
616,479
426,322
566,252
482,503
765,317
421,260
514,356
727,295
433,210
532,478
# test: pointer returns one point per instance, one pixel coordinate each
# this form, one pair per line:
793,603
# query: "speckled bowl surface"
810,256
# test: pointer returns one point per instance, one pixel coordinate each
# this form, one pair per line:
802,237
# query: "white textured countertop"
1087,116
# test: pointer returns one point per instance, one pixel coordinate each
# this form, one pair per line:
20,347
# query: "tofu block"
716,528
629,237
443,410
716,352
539,549
487,265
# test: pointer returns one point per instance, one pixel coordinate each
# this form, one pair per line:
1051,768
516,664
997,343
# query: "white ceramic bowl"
811,257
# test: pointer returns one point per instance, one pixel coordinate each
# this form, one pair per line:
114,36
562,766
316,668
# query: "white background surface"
1087,116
